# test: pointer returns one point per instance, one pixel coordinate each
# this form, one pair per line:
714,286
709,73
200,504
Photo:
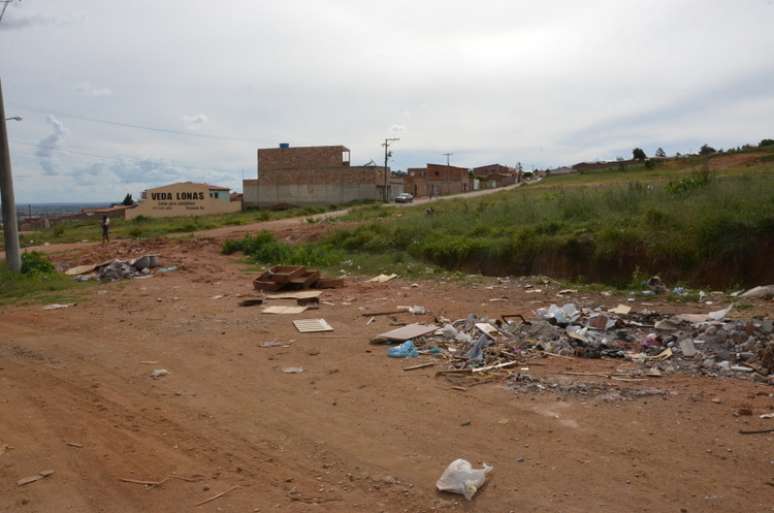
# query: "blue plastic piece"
405,350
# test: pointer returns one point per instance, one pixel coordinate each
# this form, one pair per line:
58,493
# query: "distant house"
493,176
312,175
437,180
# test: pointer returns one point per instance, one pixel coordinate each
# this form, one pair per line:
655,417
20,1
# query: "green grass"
38,283
691,227
145,228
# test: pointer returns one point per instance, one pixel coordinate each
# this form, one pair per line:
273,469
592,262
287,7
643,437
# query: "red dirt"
353,432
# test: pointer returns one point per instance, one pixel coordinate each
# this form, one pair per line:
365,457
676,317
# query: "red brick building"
494,175
311,175
437,180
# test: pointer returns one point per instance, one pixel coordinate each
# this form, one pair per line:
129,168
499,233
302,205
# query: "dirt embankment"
353,432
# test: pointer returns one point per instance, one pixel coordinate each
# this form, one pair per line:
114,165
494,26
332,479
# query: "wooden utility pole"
10,225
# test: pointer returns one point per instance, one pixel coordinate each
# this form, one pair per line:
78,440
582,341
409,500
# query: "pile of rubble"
114,270
655,344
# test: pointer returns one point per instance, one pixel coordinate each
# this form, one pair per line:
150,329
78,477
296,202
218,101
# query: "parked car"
404,197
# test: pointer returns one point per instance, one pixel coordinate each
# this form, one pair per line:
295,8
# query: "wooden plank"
301,294
495,367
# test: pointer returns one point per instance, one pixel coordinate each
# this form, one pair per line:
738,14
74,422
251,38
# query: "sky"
121,96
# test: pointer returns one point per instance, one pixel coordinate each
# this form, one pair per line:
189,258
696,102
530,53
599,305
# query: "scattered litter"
169,269
82,269
687,347
382,278
58,306
193,479
621,310
423,366
461,478
217,496
219,296
255,301
564,315
37,477
303,294
486,329
417,310
312,325
405,333
283,277
762,292
767,416
281,310
159,373
756,431
405,350
293,370
567,291
74,444
272,343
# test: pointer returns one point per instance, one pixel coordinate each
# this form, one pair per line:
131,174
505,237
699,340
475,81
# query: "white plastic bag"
460,477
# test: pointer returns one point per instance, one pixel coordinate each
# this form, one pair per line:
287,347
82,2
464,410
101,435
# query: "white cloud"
195,121
511,80
47,146
88,89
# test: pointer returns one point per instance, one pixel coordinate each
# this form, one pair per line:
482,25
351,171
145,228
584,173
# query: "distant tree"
766,142
128,200
639,154
678,154
660,153
619,159
707,150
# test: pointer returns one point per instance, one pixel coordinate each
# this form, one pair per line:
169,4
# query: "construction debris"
405,333
282,310
113,270
656,344
292,277
312,325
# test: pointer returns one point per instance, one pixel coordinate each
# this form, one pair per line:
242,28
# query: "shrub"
36,263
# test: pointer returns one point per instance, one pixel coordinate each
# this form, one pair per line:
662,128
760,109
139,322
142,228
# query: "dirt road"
353,432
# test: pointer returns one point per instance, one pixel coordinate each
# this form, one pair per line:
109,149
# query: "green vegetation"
144,227
38,282
692,227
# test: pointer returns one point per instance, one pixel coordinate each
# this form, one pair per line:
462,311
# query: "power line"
132,125
122,157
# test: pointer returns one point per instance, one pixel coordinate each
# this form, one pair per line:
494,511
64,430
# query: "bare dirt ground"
353,432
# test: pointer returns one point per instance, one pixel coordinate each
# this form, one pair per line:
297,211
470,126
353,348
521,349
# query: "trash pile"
294,277
656,344
114,270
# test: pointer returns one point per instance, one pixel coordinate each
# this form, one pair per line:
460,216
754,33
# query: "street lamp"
14,118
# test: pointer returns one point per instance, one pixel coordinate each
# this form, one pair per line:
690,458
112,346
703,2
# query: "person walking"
105,229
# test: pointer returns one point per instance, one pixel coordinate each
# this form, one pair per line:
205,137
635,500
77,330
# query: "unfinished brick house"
493,176
437,180
311,175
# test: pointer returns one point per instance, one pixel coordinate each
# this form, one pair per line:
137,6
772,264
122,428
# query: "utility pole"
447,155
387,155
10,226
